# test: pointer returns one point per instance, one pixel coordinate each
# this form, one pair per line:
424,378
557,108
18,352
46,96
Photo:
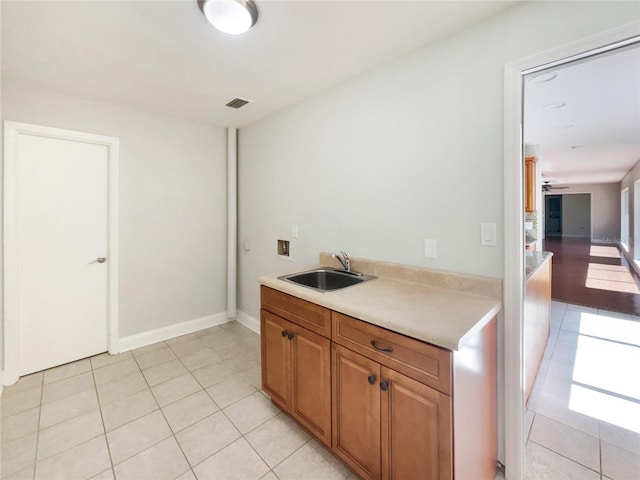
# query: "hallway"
597,276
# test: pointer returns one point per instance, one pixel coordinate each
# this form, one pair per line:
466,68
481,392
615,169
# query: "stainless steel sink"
327,279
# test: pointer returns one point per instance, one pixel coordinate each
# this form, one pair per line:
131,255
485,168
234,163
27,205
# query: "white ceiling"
601,117
163,56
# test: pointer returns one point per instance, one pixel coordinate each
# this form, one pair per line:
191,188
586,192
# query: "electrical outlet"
429,248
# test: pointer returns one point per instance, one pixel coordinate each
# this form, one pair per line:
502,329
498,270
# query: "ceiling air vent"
237,103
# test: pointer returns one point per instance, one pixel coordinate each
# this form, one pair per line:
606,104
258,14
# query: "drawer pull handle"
371,379
290,336
284,333
384,386
382,349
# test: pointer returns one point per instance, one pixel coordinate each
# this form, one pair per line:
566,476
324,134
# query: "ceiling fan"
547,187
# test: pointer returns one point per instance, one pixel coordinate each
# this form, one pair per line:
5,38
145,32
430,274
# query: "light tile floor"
583,417
187,408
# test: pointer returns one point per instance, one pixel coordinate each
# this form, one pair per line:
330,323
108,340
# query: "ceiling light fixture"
553,106
230,16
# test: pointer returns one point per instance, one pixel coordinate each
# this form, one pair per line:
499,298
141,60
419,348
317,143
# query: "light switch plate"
294,231
488,234
429,248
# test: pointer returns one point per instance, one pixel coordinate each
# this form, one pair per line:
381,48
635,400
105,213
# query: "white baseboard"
248,321
1,381
171,331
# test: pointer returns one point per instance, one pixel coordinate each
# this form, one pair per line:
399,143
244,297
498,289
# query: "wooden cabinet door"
276,358
311,377
530,184
416,430
356,411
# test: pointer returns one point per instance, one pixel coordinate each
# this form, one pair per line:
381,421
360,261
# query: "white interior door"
60,228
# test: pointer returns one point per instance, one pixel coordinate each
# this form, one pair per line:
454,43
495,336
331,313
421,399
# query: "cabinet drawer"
306,314
421,361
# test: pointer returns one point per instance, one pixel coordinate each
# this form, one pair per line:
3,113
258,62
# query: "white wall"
628,181
576,215
172,242
605,208
410,150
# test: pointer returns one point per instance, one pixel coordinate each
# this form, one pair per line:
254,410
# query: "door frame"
12,130
513,292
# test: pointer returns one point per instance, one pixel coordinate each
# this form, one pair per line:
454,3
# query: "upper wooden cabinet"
530,184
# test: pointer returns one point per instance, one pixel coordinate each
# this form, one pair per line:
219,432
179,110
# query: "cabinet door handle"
382,349
284,333
384,386
290,336
371,379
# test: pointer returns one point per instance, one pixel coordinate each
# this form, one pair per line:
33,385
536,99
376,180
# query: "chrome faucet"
344,261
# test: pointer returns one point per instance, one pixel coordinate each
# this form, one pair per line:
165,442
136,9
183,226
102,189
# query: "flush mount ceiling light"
553,106
230,16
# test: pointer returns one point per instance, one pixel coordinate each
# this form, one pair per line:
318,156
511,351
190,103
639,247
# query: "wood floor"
593,275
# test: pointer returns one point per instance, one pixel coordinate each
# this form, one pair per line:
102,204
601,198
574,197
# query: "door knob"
371,379
99,260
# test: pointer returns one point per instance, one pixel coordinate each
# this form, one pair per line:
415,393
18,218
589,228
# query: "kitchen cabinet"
419,445
537,317
296,369
356,404
388,405
530,184
387,425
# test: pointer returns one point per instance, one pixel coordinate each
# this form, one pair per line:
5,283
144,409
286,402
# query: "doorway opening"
553,216
583,400
515,239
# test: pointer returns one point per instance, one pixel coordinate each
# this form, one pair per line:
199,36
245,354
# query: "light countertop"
534,260
441,308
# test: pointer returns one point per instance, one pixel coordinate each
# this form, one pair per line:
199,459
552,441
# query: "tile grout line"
35,460
93,369
564,456
104,427
173,434
221,410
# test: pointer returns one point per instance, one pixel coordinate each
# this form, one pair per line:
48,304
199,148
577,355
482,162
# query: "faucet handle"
346,260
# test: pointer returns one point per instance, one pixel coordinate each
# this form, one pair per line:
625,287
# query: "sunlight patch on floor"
601,384
610,328
615,278
608,408
602,251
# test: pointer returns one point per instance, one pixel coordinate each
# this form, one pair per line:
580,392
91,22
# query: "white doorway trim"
12,130
514,435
